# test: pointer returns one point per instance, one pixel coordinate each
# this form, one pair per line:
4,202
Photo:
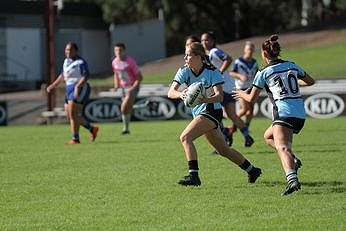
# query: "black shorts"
215,115
227,98
296,124
247,90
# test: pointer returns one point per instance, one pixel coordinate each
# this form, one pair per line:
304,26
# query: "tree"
228,19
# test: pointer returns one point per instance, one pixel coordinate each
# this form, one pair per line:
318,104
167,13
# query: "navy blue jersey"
74,70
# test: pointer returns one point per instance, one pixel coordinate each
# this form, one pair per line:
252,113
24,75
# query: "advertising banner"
320,105
3,113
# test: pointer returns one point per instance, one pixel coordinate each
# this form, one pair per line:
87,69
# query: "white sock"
126,120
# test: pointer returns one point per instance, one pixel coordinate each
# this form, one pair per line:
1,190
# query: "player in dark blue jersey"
207,115
281,79
244,70
75,73
222,61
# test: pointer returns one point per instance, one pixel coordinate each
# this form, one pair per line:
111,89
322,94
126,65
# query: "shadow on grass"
313,187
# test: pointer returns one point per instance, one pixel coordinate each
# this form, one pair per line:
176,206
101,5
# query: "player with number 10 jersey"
280,79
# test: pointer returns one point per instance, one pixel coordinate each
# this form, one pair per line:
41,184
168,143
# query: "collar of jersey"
199,73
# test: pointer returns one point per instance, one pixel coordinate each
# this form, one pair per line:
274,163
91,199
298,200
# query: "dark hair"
212,35
272,46
72,44
119,44
194,38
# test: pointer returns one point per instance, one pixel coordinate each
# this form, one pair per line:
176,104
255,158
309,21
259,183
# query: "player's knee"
185,138
283,148
266,138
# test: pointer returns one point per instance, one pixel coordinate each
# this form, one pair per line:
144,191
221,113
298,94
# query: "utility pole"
50,34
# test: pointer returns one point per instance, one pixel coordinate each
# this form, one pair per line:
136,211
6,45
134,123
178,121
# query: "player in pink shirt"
128,77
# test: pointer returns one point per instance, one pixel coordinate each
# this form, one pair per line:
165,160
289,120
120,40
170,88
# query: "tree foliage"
229,19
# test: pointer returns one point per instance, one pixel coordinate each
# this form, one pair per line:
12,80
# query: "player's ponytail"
272,47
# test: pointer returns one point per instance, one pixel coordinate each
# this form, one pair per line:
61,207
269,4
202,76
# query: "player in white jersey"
206,116
244,70
75,73
222,61
281,79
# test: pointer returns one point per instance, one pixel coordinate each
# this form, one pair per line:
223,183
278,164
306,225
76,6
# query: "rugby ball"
194,93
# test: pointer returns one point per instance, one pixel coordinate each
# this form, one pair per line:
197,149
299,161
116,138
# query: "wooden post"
50,34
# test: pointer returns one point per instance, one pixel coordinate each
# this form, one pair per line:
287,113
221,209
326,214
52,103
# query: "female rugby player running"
281,79
75,73
206,116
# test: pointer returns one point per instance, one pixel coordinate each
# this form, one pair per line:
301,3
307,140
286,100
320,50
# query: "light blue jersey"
209,76
280,79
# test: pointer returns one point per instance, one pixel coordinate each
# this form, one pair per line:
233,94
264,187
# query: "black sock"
193,167
246,166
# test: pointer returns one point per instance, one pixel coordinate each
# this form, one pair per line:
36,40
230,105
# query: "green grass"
129,182
160,77
321,62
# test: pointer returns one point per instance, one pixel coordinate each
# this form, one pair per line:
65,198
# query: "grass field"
321,62
129,182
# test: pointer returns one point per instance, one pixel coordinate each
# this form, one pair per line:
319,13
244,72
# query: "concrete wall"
93,47
145,41
23,45
23,57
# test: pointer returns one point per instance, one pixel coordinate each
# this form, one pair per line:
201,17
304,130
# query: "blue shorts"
83,96
227,98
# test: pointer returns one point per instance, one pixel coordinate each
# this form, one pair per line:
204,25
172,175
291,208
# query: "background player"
281,80
128,77
206,116
222,61
75,73
244,70
191,39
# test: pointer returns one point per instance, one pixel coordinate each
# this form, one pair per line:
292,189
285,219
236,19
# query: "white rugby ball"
195,92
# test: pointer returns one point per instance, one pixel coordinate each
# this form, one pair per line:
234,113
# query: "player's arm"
116,80
55,83
251,97
225,65
79,84
173,92
137,83
216,97
307,80
238,76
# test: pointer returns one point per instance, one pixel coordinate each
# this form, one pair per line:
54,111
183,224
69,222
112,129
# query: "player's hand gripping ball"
194,94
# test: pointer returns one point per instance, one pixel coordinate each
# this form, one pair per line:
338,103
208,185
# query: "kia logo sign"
103,110
184,111
267,108
158,108
3,114
324,106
